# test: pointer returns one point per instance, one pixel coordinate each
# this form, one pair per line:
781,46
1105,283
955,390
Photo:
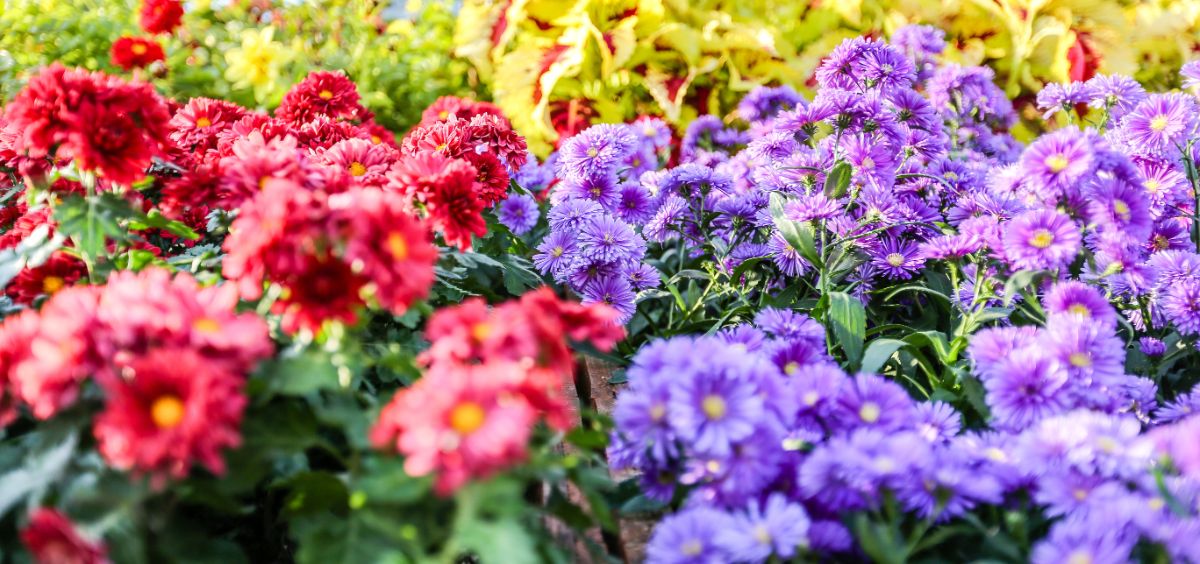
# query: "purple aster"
700,137
814,388
786,257
765,102
654,131
777,527
950,246
937,421
869,401
1161,123
691,180
897,259
840,70
663,225
532,176
1116,92
812,206
601,188
1041,240
874,162
636,204
1151,346
827,535
849,472
689,537
1180,304
772,146
519,213
570,214
614,291
556,253
1057,161
1164,183
922,44
734,479
885,68
1077,541
790,357
1174,266
1168,235
644,277
790,325
1118,207
718,402
970,94
1073,298
743,337
948,485
1191,74
913,110
640,415
1184,406
608,239
1089,352
1055,97
1024,387
596,151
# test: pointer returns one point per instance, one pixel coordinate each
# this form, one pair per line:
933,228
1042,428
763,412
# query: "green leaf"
32,251
878,353
1017,282
326,539
797,234
519,274
849,320
837,180
314,492
300,375
38,471
91,221
498,542
155,219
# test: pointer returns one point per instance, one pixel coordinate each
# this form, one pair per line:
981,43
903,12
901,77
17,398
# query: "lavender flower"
519,213
1041,239
688,537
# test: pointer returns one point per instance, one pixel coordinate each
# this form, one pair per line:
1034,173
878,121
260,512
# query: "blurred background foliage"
252,51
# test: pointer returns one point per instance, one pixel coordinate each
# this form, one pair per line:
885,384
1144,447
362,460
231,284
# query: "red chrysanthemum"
495,133
12,155
255,161
268,127
62,353
376,231
448,190
491,177
170,409
59,271
107,125
196,126
52,539
448,139
25,224
462,108
135,52
160,16
323,132
458,422
331,94
195,189
16,334
365,162
380,134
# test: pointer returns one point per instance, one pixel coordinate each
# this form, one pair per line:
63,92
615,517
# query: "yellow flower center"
1152,186
1056,163
869,412
1159,123
592,152
375,139
203,121
791,368
1080,495
1161,242
691,548
1121,208
1107,445
1080,359
325,95
762,535
481,331
895,259
1041,239
441,148
811,398
1079,557
1156,503
262,182
657,412
138,49
868,163
52,284
466,417
206,325
398,246
357,169
1079,309
167,411
713,407
557,251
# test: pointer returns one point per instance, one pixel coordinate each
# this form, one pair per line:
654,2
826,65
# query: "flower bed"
863,324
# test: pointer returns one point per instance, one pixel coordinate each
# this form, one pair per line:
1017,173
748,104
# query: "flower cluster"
491,375
170,356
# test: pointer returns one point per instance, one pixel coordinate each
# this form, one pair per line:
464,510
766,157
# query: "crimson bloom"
160,16
135,52
448,191
52,539
171,408
327,93
59,271
195,127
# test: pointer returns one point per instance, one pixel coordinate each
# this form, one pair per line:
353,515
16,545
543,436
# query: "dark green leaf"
797,234
849,320
878,352
837,180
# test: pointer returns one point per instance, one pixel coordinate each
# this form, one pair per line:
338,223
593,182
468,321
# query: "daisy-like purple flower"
1041,240
949,247
654,131
841,69
922,44
1089,352
912,109
1184,406
689,537
869,401
644,277
812,206
1057,161
1119,209
608,239
790,325
718,402
897,259
519,213
885,68
600,188
1072,541
570,214
776,527
1056,97
765,102
555,254
1191,74
1180,304
636,203
1025,387
664,224
874,163
614,291
1151,346
1116,92
640,415
596,151
1161,122
937,421
1076,299
786,257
